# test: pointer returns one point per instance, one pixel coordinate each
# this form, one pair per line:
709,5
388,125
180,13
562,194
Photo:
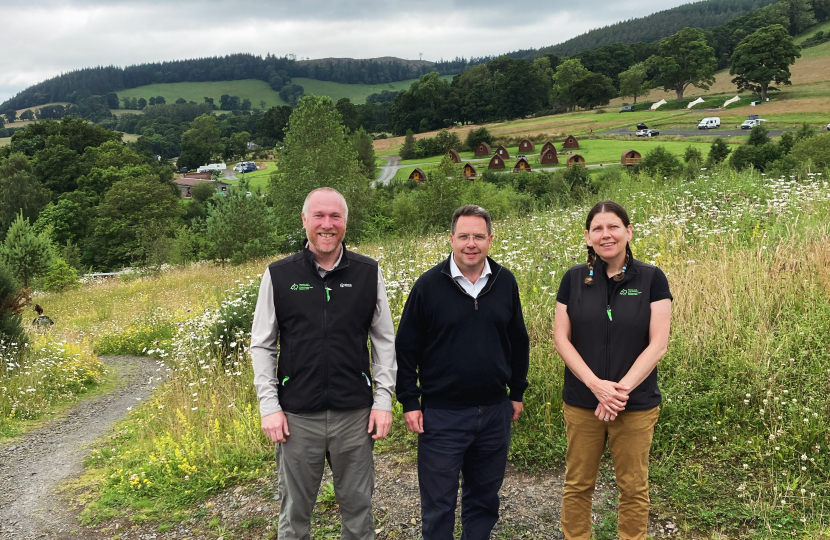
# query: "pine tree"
408,148
26,253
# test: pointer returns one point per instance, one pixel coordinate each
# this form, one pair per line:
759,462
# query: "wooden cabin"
469,171
630,157
522,165
496,162
548,146
418,175
526,146
549,156
502,152
483,149
454,156
570,142
576,159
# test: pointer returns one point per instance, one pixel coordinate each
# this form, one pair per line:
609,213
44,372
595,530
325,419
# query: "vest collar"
495,269
311,257
630,271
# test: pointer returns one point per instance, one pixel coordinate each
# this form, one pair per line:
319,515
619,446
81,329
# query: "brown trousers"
629,440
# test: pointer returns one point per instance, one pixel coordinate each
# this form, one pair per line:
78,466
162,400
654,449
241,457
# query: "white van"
212,167
709,123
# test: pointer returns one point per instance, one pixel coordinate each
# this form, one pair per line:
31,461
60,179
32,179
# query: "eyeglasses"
477,238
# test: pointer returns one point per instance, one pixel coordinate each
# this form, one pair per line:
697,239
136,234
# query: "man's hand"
611,395
605,414
275,426
517,410
414,421
382,420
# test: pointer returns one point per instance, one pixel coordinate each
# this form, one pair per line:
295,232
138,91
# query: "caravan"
709,123
212,167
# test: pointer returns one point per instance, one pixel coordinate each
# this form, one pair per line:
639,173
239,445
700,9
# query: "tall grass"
742,446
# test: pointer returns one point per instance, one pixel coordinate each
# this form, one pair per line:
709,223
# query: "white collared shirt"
473,289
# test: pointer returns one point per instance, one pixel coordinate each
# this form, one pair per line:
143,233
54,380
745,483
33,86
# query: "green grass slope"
257,91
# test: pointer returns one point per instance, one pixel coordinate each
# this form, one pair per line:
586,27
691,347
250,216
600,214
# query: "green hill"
257,91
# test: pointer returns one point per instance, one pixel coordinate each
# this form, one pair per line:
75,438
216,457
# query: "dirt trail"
32,466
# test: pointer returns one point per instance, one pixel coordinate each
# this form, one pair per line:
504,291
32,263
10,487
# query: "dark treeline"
100,81
653,27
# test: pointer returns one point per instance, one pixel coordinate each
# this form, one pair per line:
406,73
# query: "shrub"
660,162
758,157
815,150
692,154
577,176
61,277
718,151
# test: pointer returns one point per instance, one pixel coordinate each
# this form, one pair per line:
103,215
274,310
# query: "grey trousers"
301,459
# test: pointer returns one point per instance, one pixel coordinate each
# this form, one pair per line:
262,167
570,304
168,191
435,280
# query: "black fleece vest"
323,332
610,345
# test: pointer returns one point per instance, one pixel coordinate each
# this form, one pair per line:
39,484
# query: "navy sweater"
464,351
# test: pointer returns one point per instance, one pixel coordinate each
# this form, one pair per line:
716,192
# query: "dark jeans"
473,441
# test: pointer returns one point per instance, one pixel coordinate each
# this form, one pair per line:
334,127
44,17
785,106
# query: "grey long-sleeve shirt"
265,337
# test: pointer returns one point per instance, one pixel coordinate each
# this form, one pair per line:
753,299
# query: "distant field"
5,140
257,91
252,89
129,137
357,93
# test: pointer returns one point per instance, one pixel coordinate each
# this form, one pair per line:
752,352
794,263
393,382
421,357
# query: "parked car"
641,132
182,170
627,108
751,123
647,132
709,123
828,127
248,167
642,126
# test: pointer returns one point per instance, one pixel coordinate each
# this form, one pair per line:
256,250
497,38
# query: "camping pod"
418,175
548,146
630,157
570,142
483,149
454,156
502,152
549,156
526,146
496,162
576,159
522,165
469,171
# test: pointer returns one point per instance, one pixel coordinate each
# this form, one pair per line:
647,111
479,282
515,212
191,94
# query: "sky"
43,38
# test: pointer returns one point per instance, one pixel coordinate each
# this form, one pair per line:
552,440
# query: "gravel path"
32,466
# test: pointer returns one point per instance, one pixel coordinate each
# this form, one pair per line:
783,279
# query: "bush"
754,156
815,150
692,154
577,177
501,203
660,162
61,277
718,151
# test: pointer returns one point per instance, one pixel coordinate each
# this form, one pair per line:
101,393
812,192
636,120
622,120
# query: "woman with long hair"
612,322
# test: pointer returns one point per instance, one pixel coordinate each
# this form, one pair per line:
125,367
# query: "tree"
685,59
27,115
200,143
60,277
594,89
758,136
271,127
762,58
26,253
348,113
566,82
141,103
718,151
408,148
237,145
660,162
2,122
365,148
10,115
316,154
20,192
633,81
203,191
134,212
476,136
241,227
815,150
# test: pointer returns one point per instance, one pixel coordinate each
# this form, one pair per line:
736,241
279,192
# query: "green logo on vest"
629,292
301,287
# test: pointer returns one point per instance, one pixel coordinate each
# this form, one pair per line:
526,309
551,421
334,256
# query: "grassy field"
742,448
5,140
252,89
256,90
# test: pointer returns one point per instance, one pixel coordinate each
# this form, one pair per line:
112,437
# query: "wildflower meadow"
742,447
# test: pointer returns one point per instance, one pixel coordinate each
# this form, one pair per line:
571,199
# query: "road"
33,465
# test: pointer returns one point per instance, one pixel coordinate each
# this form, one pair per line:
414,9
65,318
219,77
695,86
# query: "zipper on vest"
324,359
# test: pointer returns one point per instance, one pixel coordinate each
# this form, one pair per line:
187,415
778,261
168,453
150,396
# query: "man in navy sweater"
463,338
